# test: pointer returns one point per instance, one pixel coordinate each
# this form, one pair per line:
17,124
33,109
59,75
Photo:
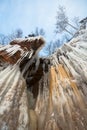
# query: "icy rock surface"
48,93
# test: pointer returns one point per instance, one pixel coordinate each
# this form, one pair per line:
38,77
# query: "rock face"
45,93
14,107
13,100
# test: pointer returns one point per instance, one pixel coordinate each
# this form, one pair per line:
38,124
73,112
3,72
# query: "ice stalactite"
45,93
14,104
61,104
62,93
13,100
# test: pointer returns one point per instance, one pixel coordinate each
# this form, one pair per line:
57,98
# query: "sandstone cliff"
43,93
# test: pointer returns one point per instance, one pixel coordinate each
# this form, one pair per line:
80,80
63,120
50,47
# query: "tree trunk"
68,32
72,26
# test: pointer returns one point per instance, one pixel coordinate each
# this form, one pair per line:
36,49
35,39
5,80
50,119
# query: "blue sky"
29,14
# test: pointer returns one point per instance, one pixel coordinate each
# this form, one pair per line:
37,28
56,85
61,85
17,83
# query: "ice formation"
44,93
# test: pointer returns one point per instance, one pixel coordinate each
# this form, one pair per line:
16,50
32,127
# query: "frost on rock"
44,93
13,100
14,107
18,49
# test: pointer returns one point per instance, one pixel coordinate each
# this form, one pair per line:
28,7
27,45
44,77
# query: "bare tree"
62,21
52,46
37,32
76,21
18,33
5,39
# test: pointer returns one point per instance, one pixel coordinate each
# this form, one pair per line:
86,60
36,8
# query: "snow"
18,40
14,47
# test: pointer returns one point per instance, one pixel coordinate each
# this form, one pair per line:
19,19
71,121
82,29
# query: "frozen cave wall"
44,93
